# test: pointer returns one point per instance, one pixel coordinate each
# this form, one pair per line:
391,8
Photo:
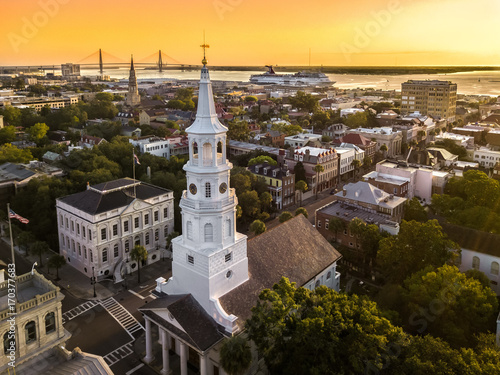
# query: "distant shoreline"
389,70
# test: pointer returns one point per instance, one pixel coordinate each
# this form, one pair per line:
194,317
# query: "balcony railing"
200,205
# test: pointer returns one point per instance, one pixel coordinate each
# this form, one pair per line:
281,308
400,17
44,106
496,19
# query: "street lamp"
33,268
93,281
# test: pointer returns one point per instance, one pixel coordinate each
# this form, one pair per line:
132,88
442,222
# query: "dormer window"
256,169
265,171
274,173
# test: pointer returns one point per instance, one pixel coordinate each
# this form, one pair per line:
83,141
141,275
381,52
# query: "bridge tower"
101,70
160,62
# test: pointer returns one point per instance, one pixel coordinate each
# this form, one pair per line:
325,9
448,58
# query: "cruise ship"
297,79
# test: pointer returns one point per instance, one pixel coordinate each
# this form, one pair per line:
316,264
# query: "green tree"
285,216
266,200
415,211
448,304
57,261
257,227
7,134
480,189
336,225
356,228
305,102
318,168
250,204
299,331
39,248
383,149
10,153
356,120
300,172
139,254
301,185
238,130
479,276
262,159
301,210
25,239
356,164
251,99
104,96
235,355
416,246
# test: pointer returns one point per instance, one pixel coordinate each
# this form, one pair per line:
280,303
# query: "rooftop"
112,195
348,212
294,249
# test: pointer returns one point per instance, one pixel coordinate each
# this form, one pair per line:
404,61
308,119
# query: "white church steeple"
210,257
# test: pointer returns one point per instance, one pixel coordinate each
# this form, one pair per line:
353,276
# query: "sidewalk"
78,285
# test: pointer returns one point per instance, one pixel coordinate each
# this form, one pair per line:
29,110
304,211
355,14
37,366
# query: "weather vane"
204,46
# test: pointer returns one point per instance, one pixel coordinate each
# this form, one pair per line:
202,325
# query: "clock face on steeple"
223,188
193,189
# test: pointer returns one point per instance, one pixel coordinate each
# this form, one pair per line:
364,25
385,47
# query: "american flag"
13,215
136,159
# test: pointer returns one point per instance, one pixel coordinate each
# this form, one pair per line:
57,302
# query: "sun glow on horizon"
254,33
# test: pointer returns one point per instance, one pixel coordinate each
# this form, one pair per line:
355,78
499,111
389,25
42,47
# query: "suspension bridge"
102,60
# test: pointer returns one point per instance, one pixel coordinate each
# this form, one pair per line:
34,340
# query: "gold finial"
204,46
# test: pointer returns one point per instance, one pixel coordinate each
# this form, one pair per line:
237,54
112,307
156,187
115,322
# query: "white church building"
217,274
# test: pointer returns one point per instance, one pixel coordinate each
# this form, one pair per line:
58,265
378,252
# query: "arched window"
137,240
157,234
494,268
316,284
115,251
9,341
228,227
328,275
195,148
189,228
475,263
165,231
208,190
91,256
85,252
30,331
50,322
209,233
147,239
127,246
105,255
207,154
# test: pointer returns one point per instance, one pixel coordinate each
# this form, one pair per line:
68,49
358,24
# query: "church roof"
294,249
206,121
199,331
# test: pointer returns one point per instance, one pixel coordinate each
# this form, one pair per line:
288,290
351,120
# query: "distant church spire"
133,97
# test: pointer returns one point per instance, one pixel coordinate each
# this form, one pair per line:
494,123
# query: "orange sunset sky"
254,32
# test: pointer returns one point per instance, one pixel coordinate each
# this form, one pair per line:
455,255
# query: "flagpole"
133,163
11,240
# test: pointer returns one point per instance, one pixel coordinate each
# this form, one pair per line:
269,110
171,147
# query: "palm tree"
39,248
356,163
139,254
356,227
318,168
24,239
335,225
384,149
57,261
302,187
235,355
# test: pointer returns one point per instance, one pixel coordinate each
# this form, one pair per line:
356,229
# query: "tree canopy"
417,246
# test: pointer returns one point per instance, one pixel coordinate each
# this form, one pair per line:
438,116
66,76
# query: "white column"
183,358
149,342
203,364
164,349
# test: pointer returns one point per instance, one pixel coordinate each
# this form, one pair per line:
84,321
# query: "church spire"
133,97
206,121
